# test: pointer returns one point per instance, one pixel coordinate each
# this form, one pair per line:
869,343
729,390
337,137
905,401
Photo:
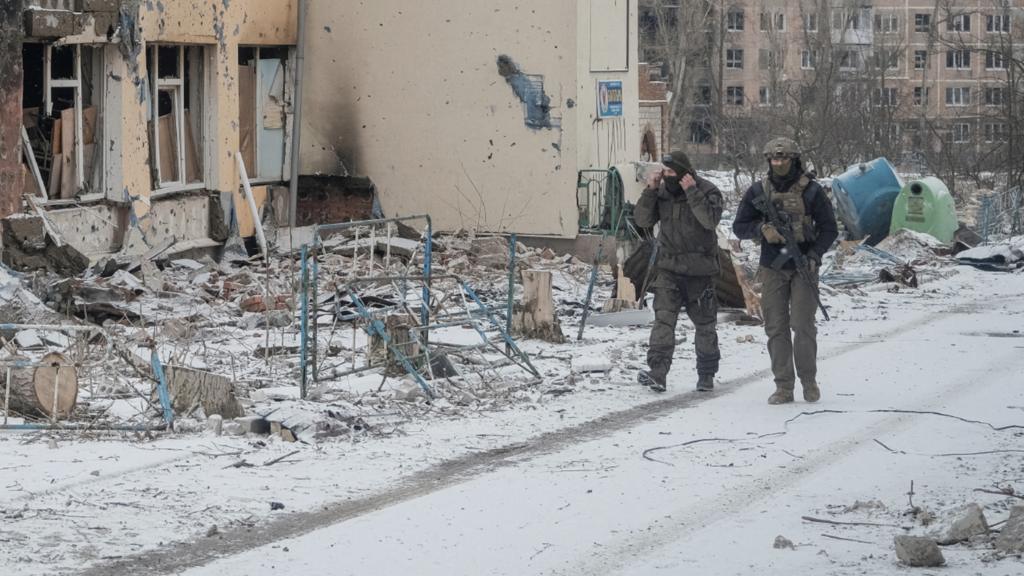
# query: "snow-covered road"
715,507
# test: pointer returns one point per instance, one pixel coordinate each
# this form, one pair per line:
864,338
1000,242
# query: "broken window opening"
263,91
60,120
176,97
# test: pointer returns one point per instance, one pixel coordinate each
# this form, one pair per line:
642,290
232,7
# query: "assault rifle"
784,224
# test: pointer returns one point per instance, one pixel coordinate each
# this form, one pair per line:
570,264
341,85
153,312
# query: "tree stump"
33,388
535,318
399,329
190,389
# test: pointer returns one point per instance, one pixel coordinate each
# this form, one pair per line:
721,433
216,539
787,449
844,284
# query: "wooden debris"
190,389
34,390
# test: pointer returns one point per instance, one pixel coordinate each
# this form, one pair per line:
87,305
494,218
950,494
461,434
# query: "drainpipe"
300,57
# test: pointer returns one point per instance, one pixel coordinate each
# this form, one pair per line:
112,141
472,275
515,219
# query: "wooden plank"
192,165
247,116
168,148
68,186
89,125
246,225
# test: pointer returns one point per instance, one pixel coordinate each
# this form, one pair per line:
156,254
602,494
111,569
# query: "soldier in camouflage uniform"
788,302
688,208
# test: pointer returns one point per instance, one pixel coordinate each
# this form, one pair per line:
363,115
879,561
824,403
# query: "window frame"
997,23
887,22
993,136
734,58
958,96
922,62
922,23
988,98
808,60
921,95
959,22
735,96
995,61
735,20
958,59
964,137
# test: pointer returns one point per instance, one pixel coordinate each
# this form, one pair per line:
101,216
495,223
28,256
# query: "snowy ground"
558,484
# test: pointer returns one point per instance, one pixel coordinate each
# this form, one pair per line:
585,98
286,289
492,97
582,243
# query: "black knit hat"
678,161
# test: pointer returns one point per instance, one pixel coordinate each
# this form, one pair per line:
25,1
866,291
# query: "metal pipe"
161,388
251,201
84,427
300,59
304,323
511,284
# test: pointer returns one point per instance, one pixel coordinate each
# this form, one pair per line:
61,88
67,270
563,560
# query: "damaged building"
135,117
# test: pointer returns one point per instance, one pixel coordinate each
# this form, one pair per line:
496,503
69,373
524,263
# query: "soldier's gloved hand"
688,183
771,235
813,262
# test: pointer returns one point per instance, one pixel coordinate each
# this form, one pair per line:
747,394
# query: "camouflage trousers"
789,306
697,294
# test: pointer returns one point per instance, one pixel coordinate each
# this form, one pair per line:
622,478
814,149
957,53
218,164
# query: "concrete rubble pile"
229,340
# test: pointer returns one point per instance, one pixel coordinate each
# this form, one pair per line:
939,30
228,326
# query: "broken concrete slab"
215,424
960,524
408,391
918,551
1011,538
253,425
28,247
51,23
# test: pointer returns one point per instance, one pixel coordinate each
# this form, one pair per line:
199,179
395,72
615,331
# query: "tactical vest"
792,203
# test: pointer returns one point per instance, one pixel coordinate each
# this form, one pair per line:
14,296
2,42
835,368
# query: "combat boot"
811,392
781,396
651,380
706,382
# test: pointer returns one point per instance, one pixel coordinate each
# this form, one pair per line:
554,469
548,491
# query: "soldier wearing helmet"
788,302
688,209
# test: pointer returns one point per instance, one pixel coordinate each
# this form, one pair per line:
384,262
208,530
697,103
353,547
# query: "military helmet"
781,148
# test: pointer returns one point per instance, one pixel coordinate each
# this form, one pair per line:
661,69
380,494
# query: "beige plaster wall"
609,141
222,26
408,93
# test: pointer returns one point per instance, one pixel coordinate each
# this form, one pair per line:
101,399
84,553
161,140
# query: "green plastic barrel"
926,206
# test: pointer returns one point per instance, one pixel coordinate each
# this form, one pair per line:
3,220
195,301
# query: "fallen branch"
999,493
847,539
880,443
837,523
240,464
280,458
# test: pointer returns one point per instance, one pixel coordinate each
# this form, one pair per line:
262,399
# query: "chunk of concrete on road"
918,551
409,391
1011,538
253,425
960,524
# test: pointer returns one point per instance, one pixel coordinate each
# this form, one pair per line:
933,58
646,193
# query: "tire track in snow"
180,556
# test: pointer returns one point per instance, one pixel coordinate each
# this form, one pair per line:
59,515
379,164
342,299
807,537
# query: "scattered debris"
918,551
781,543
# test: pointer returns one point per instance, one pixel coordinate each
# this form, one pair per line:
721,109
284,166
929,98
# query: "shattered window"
176,122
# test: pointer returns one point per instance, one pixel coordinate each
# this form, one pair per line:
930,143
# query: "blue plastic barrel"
865,195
